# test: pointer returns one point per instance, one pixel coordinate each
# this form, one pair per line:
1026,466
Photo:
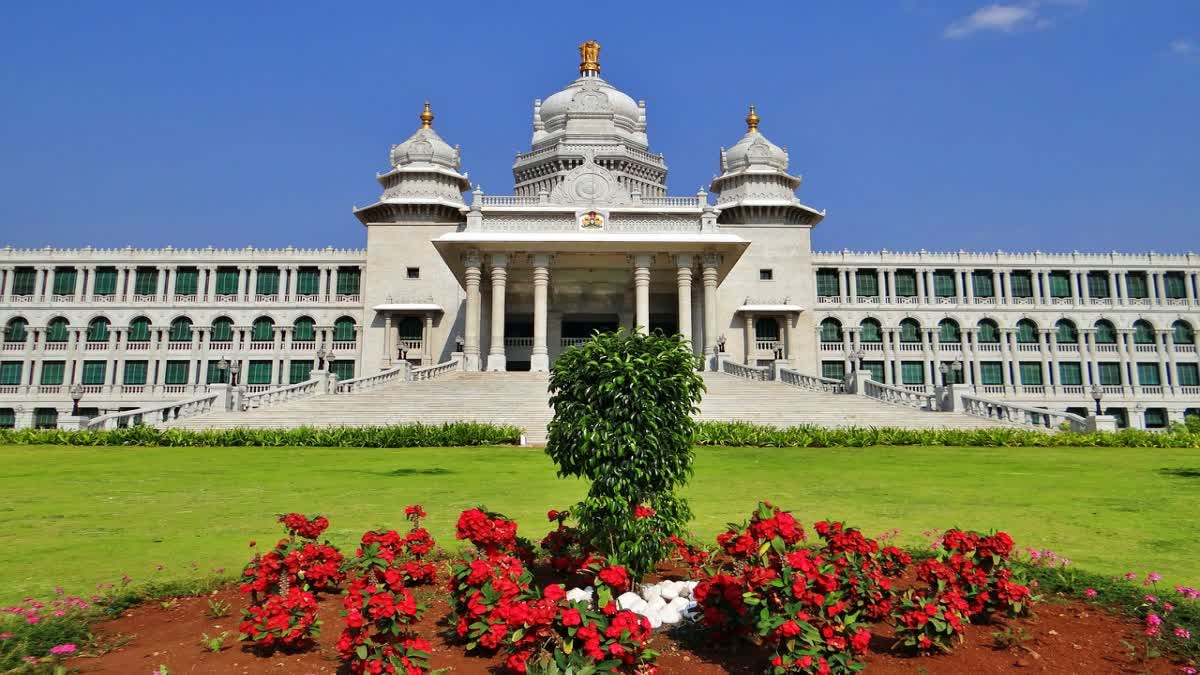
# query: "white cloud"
1184,47
1000,18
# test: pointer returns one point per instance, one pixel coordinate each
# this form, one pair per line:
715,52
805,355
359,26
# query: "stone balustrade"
899,395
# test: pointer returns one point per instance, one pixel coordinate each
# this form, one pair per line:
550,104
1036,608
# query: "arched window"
1143,332
304,330
989,332
766,329
343,330
263,330
831,330
948,331
139,330
1065,332
15,330
1027,331
181,330
1182,333
56,330
97,330
411,328
869,331
1106,333
222,330
910,331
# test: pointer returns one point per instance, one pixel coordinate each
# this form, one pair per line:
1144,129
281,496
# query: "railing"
1020,414
508,200
742,370
14,346
411,345
671,201
291,392
518,342
799,379
899,395
572,342
343,345
767,345
160,413
367,382
436,371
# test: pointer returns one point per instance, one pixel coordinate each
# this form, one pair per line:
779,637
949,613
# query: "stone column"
496,354
252,286
333,283
6,278
931,364
539,360
322,283
968,340
1083,287
1012,371
793,336
389,332
1085,353
881,285
1114,291
889,355
683,278
641,288
85,280
852,284
698,339
969,286
169,273
472,262
1158,291
1167,338
921,287
1052,336
1004,287
1189,290
1128,369
751,348
1036,279
709,274
428,358
51,273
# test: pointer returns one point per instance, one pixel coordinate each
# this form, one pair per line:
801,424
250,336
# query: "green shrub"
1192,422
623,405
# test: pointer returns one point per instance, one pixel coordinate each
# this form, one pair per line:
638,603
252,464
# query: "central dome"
590,97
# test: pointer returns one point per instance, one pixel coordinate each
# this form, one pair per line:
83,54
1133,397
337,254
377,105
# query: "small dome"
589,96
753,150
425,147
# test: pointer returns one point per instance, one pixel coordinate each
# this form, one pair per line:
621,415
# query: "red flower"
571,617
554,592
641,511
615,576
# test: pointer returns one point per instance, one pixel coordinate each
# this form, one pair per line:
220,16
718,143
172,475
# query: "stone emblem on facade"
590,183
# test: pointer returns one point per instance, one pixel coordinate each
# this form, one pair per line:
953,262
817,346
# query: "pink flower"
5,636
1153,620
61,650
1183,633
1130,576
1152,578
1188,670
1091,593
1150,599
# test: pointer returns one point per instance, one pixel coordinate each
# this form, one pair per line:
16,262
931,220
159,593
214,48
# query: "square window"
412,272
766,275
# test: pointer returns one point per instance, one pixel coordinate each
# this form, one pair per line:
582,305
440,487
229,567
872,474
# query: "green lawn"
76,517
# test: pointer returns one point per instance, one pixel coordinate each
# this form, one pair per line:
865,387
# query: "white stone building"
590,241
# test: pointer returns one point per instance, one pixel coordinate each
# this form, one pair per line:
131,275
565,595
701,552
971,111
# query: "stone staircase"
521,399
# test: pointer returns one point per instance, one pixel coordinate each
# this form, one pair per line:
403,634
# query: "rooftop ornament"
589,58
752,120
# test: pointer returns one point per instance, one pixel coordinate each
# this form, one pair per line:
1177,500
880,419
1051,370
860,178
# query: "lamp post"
76,395
1097,394
234,369
223,368
459,342
721,343
856,357
946,368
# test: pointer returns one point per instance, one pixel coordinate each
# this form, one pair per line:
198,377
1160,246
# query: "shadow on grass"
399,473
1181,472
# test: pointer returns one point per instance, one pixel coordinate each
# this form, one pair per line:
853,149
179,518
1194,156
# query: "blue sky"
1053,125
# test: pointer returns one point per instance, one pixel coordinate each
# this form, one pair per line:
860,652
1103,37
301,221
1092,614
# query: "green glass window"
343,369
1143,333
16,330
989,332
1070,374
304,330
411,328
298,371
875,368
176,372
45,418
1022,284
1136,286
983,284
1106,334
867,283
56,330
222,330
263,331
187,281
52,372
1031,373
991,372
106,281
10,373
835,370
912,372
214,374
766,328
1182,333
259,372
910,331
943,284
135,372
268,281
948,332
827,283
145,281
97,330
24,281
1110,373
181,330
94,372
869,331
308,281
1156,418
343,330
139,330
1176,284
64,280
348,279
1149,375
831,331
1060,284
1189,375
227,281
906,283
1097,284
1066,333
8,418
1027,331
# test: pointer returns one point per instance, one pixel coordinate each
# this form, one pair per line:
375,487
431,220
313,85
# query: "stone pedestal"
224,395
855,380
776,365
1101,423
949,397
72,422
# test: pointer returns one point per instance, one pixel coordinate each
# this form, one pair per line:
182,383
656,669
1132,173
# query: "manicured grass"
78,516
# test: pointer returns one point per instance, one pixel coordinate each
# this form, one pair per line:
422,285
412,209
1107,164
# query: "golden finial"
426,117
589,57
752,120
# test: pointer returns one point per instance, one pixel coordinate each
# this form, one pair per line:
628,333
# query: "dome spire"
752,121
589,58
426,117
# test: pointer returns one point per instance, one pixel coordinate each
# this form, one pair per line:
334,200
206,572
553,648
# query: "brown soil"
1065,637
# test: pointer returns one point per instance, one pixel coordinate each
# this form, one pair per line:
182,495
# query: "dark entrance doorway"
584,325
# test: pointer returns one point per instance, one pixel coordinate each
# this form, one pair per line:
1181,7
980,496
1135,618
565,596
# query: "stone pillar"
709,274
1167,339
852,284
641,288
6,279
968,340
889,355
1114,291
1037,286
1128,370
751,348
927,356
969,286
389,332
252,286
793,341
1085,353
921,287
322,283
472,263
51,274
683,278
1083,287
85,281
1004,287
428,358
496,355
1012,371
1188,289
539,360
698,339
1158,291
333,283
1052,336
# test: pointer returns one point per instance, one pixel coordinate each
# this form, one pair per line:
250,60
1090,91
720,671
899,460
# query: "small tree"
623,406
